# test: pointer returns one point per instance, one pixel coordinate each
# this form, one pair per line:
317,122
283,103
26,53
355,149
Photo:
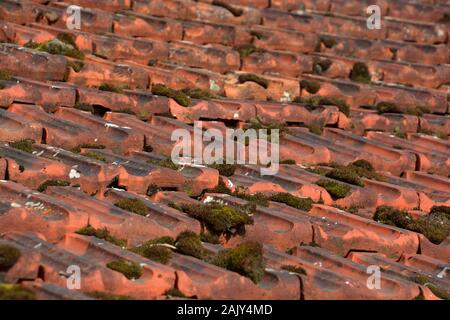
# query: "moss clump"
15,292
162,90
321,65
438,134
84,107
25,145
316,127
166,163
226,170
247,49
389,107
107,296
189,243
345,175
9,255
312,86
129,269
5,75
58,46
253,78
103,234
288,161
304,204
153,189
360,73
335,189
442,209
200,94
174,293
217,217
328,41
53,183
78,148
133,205
220,188
245,259
111,88
428,282
435,226
257,124
237,12
95,156
325,101
295,269
258,198
156,250
75,65
394,217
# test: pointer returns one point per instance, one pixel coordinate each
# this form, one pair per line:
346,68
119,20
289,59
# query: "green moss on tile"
112,88
107,296
200,94
325,101
360,73
25,145
247,49
316,127
94,156
166,163
245,259
294,269
288,161
15,292
103,234
58,46
5,75
189,243
388,107
174,292
335,189
438,134
429,283
304,204
328,42
129,269
84,107
253,78
220,188
321,65
53,183
209,238
218,218
226,170
75,65
180,97
312,86
132,205
237,12
158,250
345,175
9,255
258,124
